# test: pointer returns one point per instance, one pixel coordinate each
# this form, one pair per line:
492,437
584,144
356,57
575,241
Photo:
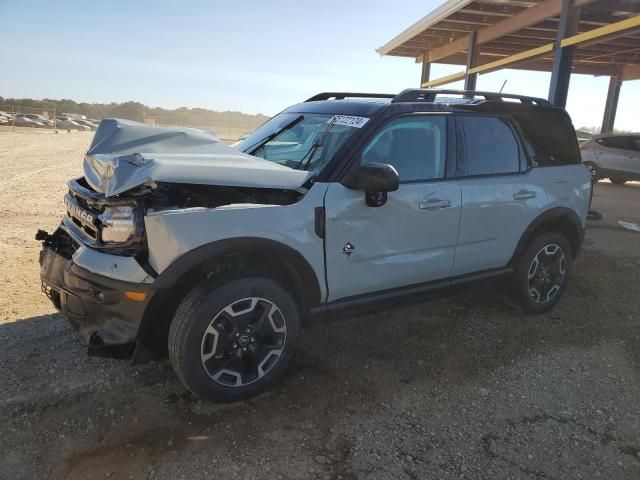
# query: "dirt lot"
465,387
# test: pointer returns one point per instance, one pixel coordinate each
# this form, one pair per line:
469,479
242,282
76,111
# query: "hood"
126,154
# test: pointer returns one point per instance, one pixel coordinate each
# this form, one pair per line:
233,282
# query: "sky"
252,56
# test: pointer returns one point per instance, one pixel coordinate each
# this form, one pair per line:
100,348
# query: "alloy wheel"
547,273
243,342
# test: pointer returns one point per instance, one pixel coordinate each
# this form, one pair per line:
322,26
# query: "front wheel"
542,272
618,180
234,341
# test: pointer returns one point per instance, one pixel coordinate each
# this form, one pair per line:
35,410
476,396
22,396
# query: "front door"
411,238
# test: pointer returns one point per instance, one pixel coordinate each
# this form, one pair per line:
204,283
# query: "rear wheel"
617,180
542,272
231,342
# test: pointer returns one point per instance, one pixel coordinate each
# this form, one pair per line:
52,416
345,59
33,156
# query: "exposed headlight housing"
119,225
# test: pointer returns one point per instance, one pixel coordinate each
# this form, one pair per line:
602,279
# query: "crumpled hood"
126,154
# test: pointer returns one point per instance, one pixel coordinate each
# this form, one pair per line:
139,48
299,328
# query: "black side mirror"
376,179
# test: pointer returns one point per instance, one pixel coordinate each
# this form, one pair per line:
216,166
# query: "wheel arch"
226,259
560,219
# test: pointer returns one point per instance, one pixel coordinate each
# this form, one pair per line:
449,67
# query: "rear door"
613,152
411,238
500,197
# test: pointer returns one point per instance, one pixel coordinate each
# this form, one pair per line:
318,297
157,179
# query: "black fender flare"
205,256
556,215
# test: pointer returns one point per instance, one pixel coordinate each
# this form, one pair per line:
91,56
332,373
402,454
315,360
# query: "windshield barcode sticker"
348,121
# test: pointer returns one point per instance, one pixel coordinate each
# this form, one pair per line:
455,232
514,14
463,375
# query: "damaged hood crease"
125,154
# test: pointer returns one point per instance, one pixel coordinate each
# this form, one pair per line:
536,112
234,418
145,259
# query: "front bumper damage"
94,304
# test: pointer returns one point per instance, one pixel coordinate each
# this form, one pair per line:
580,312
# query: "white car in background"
92,126
68,124
616,157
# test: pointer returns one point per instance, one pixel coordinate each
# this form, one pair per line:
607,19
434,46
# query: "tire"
593,170
617,180
539,284
233,341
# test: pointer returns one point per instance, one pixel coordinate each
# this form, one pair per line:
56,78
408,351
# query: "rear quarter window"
490,146
550,139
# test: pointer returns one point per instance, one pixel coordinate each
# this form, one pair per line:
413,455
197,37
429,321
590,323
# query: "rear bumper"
93,304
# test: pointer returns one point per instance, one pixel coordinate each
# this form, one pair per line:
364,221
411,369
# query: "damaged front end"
95,267
133,169
124,155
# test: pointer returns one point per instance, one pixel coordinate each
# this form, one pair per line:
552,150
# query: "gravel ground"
460,388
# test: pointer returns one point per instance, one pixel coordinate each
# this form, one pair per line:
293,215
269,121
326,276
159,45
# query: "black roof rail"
429,95
343,95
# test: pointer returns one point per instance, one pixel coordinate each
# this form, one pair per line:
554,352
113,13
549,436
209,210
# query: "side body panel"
610,158
493,220
401,243
173,233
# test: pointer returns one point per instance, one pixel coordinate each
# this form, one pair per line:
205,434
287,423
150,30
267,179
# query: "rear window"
490,146
551,140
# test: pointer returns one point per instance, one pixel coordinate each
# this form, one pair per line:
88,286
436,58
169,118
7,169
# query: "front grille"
81,201
82,215
88,230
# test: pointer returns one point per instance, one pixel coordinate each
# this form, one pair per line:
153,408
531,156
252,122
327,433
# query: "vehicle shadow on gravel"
85,416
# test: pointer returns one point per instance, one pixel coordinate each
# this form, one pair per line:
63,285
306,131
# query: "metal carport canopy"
597,37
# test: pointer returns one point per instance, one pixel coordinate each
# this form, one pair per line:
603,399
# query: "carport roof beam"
534,53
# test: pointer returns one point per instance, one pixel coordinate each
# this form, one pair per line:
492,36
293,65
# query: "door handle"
524,195
434,204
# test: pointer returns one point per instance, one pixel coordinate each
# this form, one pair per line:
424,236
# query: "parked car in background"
67,124
39,118
616,157
3,120
21,120
92,126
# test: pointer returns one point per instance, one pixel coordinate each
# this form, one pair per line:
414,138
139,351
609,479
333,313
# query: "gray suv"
177,244
616,157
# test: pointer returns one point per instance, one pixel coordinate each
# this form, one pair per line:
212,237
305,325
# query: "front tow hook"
47,239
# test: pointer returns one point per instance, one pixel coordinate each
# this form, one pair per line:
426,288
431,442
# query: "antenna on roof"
503,84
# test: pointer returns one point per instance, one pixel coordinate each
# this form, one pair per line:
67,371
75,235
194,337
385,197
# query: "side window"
490,146
416,146
635,144
615,142
550,139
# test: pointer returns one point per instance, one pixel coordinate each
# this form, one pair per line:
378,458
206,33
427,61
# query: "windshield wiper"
273,135
304,161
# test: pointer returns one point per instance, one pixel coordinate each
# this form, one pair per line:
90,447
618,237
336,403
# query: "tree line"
137,111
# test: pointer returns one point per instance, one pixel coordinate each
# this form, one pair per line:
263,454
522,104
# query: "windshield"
304,141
